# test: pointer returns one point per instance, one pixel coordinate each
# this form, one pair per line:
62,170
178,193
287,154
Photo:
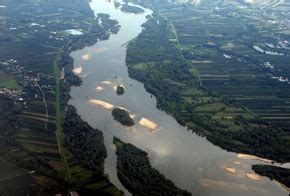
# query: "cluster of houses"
12,94
26,79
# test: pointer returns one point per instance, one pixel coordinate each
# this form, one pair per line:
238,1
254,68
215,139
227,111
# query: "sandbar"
230,170
78,70
86,57
148,124
106,82
101,103
99,89
252,157
253,176
219,184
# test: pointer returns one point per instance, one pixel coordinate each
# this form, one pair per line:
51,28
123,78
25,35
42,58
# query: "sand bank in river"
106,82
99,89
230,170
148,124
86,57
234,171
253,176
78,70
220,184
101,103
132,115
109,106
255,158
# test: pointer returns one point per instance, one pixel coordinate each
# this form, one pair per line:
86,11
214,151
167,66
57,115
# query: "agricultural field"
34,41
8,81
239,53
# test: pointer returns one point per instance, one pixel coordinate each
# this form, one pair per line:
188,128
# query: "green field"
181,91
9,82
39,55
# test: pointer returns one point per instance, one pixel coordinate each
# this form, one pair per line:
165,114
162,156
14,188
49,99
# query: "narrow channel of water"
188,160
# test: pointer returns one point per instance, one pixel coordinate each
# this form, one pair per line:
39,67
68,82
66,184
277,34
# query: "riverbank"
36,142
174,81
182,157
90,167
138,176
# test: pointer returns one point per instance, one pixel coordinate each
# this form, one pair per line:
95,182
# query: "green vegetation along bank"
35,61
279,174
138,176
155,59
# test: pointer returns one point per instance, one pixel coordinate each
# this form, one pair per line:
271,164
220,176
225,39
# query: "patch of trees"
122,116
9,119
138,176
279,174
67,63
120,90
96,32
261,142
108,24
86,143
131,9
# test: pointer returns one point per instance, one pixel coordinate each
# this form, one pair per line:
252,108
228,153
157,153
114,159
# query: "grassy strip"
58,116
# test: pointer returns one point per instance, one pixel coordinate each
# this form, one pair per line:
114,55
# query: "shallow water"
188,160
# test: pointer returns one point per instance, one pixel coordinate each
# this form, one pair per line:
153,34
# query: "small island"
120,90
138,176
131,9
123,117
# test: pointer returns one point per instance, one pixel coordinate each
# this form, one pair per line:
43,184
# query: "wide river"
188,160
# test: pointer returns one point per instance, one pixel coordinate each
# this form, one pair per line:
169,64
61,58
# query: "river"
188,160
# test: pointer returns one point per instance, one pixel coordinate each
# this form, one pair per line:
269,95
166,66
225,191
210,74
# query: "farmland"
224,121
7,81
219,68
240,55
239,52
34,49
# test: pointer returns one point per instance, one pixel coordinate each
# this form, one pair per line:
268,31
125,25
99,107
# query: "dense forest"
138,176
279,174
122,116
155,59
86,143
